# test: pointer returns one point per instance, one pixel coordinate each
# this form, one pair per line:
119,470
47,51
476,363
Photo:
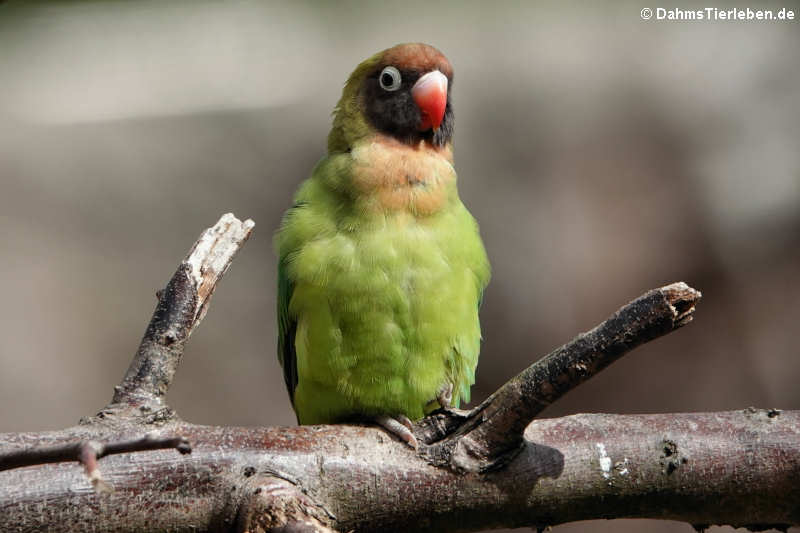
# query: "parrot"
381,268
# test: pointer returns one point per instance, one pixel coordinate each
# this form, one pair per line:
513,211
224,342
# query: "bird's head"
402,92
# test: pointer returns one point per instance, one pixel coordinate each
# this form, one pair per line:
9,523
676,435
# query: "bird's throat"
393,176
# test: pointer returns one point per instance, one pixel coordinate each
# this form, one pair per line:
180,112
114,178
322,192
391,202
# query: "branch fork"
490,435
88,452
353,478
182,304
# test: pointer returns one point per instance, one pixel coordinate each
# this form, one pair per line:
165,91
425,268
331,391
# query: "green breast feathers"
381,267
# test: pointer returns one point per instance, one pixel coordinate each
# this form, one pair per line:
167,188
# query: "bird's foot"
445,396
399,426
445,400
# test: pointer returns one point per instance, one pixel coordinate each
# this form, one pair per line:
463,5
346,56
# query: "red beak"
430,95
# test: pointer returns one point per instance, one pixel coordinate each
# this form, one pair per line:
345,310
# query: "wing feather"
287,330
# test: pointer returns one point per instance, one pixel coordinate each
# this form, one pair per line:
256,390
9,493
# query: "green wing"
287,328
287,324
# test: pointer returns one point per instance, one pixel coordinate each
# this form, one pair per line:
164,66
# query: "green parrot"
381,267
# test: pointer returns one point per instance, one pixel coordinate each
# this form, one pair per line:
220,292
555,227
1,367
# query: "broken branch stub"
181,306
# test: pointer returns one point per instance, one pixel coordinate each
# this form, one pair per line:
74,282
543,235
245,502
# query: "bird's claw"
399,426
445,396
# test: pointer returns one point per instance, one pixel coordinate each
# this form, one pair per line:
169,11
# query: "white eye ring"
390,79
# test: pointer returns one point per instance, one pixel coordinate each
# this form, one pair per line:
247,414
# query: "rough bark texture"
181,307
491,434
87,452
740,468
475,469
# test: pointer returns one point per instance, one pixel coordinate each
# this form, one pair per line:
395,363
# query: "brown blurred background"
603,155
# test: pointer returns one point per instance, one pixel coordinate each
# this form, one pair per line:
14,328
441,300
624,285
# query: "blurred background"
603,155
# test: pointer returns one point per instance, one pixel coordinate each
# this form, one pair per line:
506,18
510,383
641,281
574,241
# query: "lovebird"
381,267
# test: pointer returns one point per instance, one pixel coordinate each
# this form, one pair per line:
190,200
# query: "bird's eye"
390,79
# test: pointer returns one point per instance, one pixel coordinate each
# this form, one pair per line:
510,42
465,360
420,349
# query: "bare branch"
181,307
87,453
739,468
487,437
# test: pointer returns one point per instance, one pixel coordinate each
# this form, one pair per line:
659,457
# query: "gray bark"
493,466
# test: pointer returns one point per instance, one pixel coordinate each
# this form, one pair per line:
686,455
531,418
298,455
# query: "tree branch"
738,468
78,451
87,453
181,306
488,436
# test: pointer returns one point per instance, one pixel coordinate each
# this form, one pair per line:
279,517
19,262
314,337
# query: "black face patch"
395,113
